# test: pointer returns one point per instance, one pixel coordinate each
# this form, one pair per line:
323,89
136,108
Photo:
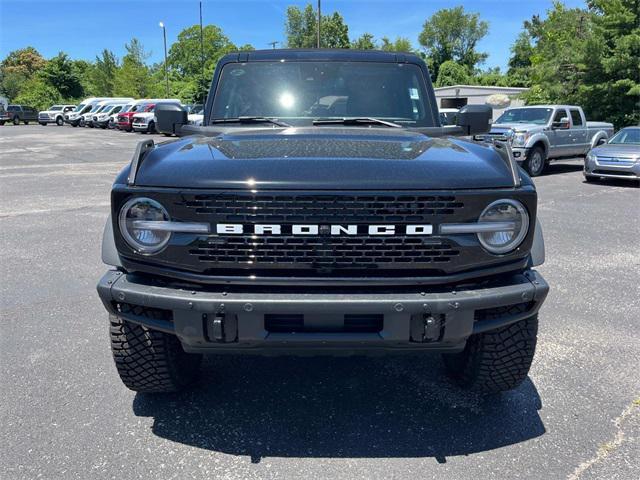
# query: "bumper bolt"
398,307
248,307
121,296
454,305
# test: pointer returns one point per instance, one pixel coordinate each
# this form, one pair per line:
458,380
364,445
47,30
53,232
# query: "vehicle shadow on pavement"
556,168
339,407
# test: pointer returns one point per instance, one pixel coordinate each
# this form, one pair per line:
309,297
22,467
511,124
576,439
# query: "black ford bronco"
322,209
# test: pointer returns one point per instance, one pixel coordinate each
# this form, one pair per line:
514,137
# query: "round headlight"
131,220
511,222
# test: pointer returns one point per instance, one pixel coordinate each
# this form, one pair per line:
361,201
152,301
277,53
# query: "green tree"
38,94
17,68
133,78
557,59
103,73
491,77
611,84
452,73
25,61
453,34
519,71
365,41
59,73
301,29
400,44
185,54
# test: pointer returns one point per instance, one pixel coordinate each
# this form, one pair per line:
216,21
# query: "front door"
560,138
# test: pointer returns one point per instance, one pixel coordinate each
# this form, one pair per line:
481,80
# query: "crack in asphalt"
608,448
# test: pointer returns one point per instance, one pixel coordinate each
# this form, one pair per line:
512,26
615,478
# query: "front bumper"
140,127
217,320
626,170
520,153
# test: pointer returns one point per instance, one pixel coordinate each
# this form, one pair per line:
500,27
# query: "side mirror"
562,124
170,118
474,119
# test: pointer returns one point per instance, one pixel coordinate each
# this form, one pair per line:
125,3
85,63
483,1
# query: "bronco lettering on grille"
324,230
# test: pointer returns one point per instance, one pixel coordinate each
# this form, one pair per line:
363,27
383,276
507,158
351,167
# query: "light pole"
319,19
166,72
202,54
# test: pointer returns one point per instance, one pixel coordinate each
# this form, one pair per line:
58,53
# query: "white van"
73,118
86,120
105,117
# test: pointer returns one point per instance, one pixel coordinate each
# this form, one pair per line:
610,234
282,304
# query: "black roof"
318,54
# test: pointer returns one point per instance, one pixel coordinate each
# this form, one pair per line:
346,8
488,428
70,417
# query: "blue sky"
82,28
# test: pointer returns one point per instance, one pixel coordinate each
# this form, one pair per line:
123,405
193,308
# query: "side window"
576,118
560,114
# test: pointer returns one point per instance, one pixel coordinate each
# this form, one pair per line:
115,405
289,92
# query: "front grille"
614,172
324,208
325,255
333,252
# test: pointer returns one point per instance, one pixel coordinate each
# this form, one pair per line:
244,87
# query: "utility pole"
319,19
166,72
273,44
202,52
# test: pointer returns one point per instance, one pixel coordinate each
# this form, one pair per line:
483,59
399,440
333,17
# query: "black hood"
323,158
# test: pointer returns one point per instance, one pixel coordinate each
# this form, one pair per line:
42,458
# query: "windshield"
539,116
55,108
197,109
79,108
96,108
126,108
629,136
299,92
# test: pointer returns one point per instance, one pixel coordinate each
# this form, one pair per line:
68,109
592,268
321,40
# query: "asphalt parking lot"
64,413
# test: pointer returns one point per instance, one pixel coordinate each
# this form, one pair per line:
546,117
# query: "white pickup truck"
541,133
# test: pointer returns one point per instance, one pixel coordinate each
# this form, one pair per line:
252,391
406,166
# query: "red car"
125,119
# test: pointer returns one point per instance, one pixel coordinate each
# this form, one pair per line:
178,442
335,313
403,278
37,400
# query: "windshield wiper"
355,121
249,120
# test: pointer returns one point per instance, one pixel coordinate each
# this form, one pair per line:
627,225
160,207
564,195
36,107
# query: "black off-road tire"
536,161
497,360
81,122
151,128
16,120
150,361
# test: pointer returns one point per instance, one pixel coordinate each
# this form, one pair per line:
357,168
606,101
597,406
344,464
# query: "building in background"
500,98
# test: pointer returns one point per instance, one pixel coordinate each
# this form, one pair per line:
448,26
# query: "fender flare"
537,249
539,138
601,135
109,252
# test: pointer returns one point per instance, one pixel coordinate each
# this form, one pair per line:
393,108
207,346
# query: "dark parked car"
321,208
19,113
